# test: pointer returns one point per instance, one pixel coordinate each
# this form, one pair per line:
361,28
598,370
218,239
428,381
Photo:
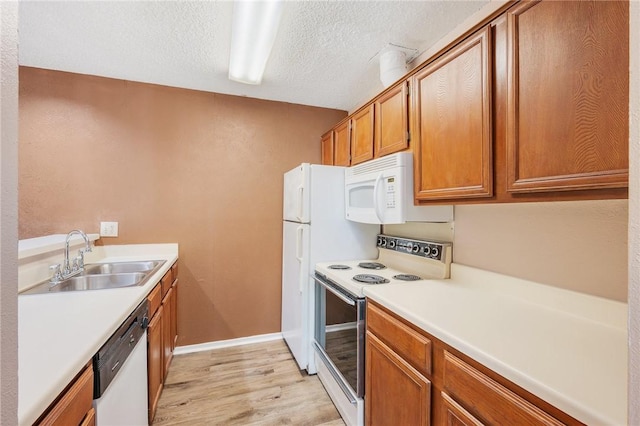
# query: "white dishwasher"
120,374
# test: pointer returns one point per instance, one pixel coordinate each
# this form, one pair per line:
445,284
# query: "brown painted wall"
170,165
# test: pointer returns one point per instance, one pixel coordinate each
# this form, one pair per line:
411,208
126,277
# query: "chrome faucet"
69,268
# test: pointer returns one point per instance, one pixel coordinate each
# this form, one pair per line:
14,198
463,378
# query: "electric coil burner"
371,265
339,267
406,277
370,279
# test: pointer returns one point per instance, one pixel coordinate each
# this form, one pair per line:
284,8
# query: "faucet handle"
57,273
80,259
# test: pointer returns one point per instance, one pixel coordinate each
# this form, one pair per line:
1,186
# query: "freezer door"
296,194
295,290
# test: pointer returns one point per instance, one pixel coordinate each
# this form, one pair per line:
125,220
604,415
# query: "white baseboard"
200,347
340,327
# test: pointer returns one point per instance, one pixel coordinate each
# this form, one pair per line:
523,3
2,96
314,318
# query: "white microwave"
380,191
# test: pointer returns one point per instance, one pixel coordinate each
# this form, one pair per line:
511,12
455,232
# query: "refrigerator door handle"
299,234
299,254
300,202
376,206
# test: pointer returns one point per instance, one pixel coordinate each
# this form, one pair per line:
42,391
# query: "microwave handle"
376,208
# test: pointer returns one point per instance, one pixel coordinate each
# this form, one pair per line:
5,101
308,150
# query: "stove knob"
435,252
416,248
379,242
383,242
427,250
392,244
409,247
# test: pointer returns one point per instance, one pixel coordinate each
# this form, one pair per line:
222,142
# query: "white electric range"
340,311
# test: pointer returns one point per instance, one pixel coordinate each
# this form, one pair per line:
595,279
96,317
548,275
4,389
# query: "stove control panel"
428,249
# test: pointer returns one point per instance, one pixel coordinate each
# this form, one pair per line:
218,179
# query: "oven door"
339,335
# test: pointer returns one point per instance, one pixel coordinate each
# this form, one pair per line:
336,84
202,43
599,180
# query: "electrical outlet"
108,229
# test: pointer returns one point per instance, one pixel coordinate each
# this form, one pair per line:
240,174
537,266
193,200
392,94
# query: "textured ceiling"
324,54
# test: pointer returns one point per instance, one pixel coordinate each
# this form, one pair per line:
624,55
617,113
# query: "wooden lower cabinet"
155,366
396,393
456,415
174,315
75,405
90,418
488,399
456,391
167,339
162,334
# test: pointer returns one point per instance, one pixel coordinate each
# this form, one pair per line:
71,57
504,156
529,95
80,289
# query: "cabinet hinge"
408,136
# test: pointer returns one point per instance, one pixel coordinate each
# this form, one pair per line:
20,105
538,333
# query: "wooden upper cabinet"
452,113
326,148
391,120
568,85
342,144
362,135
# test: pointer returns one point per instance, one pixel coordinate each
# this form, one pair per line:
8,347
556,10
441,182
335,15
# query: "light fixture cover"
255,25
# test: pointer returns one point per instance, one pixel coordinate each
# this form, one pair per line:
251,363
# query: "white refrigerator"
315,229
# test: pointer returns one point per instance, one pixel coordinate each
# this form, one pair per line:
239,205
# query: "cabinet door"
155,366
392,123
396,393
174,315
568,85
362,135
326,148
167,338
456,415
452,122
342,144
74,404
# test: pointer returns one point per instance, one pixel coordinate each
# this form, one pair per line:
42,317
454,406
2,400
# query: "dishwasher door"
124,402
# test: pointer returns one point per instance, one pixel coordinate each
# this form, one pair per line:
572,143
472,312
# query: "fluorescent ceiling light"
255,25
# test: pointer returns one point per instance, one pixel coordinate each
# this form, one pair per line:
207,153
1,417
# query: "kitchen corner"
58,333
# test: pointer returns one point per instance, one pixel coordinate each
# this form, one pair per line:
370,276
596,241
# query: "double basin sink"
100,276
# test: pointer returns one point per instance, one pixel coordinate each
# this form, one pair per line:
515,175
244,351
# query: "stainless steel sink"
121,267
100,282
100,276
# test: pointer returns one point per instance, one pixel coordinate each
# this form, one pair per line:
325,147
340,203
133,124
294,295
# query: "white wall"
634,215
9,213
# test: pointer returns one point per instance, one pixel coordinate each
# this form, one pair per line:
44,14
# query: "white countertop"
568,348
59,333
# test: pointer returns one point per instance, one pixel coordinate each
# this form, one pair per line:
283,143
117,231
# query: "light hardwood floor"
257,384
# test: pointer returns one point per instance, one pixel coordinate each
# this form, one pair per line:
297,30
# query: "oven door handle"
336,293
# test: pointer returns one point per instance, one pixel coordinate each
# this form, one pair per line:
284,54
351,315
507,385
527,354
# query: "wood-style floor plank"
257,384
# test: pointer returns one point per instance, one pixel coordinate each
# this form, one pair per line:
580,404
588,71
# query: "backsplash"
576,245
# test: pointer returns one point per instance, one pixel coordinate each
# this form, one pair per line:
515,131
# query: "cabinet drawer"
174,272
166,283
406,342
90,418
456,415
487,400
74,403
154,298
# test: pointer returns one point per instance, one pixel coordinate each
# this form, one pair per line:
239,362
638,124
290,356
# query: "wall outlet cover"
108,229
